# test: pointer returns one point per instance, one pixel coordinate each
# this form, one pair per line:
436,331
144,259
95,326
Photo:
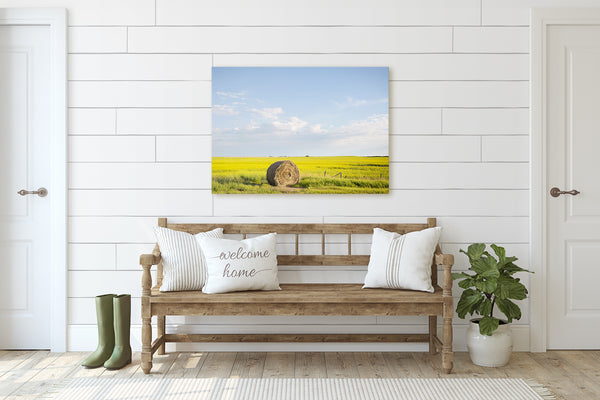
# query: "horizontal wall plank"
111,229
163,121
415,121
289,40
458,229
505,148
139,94
140,229
459,176
315,12
459,94
491,40
183,148
434,148
484,121
517,12
111,148
90,283
92,256
128,255
139,67
486,229
92,121
139,176
139,202
97,12
97,39
445,67
405,202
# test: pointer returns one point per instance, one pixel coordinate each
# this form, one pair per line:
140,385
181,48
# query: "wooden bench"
300,299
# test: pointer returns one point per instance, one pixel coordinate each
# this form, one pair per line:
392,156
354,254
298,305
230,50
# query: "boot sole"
91,366
115,368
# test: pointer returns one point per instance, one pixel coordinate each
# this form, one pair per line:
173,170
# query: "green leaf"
509,309
466,283
500,252
475,251
486,267
459,275
485,308
467,303
512,269
487,325
517,291
510,288
486,286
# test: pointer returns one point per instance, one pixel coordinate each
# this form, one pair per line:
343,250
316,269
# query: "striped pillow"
184,266
402,261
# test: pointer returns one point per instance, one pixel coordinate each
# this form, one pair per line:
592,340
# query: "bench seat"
302,299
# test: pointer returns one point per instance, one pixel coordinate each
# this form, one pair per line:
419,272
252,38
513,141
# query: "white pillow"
233,265
184,266
402,261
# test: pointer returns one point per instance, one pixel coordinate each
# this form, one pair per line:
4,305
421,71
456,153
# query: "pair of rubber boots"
114,321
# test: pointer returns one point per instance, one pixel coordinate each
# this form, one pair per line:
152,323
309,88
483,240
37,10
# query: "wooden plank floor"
569,374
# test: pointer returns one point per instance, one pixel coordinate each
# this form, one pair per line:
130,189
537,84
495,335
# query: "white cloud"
252,126
350,102
233,95
317,128
293,124
377,124
223,109
368,133
269,113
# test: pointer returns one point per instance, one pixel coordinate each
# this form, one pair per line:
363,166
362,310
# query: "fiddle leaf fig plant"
490,283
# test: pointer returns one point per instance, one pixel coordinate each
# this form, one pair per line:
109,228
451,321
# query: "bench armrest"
147,261
446,261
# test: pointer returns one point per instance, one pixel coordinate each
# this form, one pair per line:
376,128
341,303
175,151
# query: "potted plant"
491,283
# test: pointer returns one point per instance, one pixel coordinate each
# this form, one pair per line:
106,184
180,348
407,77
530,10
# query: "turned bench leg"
146,345
447,354
161,322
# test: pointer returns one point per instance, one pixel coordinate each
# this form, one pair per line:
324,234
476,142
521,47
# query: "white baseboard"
84,338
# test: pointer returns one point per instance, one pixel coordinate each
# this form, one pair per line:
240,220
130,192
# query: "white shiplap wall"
140,146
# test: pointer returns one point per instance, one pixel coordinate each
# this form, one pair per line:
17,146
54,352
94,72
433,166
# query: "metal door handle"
42,192
555,192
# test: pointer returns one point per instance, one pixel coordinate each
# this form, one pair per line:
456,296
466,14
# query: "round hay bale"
283,173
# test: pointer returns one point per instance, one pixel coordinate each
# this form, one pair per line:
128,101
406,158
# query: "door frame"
56,20
541,19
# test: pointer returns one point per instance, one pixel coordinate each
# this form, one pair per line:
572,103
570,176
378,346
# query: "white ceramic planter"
489,351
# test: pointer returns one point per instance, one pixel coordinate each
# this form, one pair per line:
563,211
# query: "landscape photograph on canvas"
300,130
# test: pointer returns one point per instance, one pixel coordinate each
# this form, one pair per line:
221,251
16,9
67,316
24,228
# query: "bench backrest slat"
300,229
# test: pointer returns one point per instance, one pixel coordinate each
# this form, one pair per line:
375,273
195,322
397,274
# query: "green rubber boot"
121,355
106,332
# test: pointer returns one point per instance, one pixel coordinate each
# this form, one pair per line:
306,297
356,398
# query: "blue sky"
297,111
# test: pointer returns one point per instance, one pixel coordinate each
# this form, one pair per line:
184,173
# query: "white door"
573,154
25,121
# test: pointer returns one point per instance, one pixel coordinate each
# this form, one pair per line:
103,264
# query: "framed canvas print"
300,130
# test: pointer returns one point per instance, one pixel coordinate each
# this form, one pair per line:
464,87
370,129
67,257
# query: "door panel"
25,164
573,120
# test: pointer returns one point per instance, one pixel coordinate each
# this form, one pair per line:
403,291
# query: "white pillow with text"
239,265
